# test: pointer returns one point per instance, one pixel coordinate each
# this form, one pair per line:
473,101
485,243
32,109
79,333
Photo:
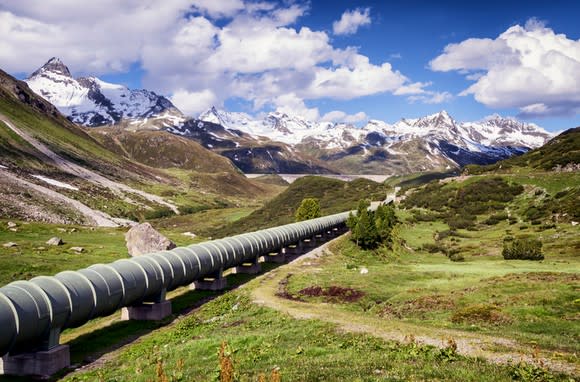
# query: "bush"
522,249
495,218
309,209
159,213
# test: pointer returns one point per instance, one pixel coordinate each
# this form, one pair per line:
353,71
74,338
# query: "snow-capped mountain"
444,141
279,142
90,101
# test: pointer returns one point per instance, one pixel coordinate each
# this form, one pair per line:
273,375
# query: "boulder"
143,238
55,241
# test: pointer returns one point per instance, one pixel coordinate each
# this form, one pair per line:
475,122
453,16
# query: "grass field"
393,314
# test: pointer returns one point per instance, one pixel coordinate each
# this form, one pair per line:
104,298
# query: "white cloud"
359,79
431,98
254,52
341,116
350,21
293,105
219,9
193,103
530,68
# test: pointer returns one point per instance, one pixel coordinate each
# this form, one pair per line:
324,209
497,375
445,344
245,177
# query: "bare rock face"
143,238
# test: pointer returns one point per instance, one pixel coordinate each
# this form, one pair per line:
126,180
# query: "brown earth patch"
283,289
333,293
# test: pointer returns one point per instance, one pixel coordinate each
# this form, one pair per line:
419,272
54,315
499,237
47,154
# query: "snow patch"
55,182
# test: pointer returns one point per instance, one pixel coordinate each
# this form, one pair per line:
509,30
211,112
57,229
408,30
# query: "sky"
341,61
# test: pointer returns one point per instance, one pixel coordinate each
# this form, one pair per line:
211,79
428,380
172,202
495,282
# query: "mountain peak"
54,65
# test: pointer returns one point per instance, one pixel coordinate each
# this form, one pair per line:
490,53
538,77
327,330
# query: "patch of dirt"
283,289
333,293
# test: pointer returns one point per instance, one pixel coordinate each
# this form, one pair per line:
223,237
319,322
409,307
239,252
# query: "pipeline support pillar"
38,364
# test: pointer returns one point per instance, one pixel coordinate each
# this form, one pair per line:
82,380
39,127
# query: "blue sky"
326,60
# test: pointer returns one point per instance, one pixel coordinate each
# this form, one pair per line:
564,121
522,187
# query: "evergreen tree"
365,233
309,209
370,229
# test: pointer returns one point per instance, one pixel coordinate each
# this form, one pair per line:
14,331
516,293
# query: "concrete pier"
214,282
251,268
36,364
147,312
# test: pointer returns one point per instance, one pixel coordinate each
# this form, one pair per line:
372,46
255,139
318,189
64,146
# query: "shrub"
495,218
309,209
159,213
522,249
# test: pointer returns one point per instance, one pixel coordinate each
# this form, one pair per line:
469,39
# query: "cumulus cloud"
350,21
431,98
530,68
341,116
200,51
193,103
294,105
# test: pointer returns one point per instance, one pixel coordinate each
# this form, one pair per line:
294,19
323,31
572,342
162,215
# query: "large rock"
143,238
55,241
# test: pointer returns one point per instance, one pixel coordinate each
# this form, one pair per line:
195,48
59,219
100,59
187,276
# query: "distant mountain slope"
53,170
561,153
334,195
283,143
433,142
161,149
90,101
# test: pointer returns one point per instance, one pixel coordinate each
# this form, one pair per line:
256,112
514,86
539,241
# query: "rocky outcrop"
143,238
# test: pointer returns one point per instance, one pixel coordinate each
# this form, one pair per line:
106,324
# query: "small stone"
72,230
574,223
41,248
77,249
55,241
13,229
10,244
364,271
11,224
190,234
61,229
143,238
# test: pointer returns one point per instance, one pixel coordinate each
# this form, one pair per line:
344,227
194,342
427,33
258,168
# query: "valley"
439,300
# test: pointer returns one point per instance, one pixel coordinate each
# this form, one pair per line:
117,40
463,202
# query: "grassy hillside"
561,151
161,149
334,196
180,170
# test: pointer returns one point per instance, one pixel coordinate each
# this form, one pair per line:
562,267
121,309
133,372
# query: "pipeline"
33,313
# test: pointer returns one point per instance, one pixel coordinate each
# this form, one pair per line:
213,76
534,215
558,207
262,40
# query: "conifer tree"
309,209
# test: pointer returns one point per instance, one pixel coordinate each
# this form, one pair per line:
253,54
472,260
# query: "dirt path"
469,344
81,172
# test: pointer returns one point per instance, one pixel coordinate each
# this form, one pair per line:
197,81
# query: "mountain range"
282,143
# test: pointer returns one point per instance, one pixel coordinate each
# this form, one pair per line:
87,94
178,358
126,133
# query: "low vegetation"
333,195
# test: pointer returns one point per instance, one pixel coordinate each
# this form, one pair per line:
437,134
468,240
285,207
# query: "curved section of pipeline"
30,310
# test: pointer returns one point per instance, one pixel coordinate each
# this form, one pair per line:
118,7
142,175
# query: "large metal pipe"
31,311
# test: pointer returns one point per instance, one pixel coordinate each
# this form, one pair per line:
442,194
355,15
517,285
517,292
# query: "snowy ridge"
474,136
90,101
